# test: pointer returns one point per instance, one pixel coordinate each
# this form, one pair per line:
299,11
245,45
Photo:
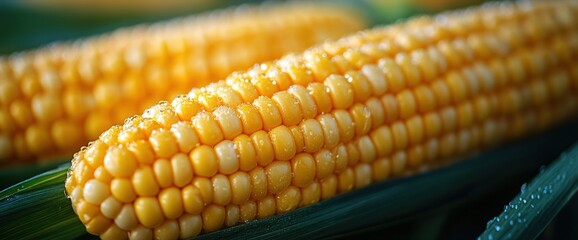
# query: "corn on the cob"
56,99
386,102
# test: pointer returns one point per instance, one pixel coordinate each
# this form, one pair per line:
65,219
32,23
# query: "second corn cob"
56,99
386,102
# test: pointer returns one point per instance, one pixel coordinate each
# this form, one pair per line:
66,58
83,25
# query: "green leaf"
528,214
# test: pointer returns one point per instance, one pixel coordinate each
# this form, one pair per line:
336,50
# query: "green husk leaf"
528,214
39,208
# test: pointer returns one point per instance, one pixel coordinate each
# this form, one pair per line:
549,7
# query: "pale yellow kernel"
390,109
407,105
457,86
346,181
126,218
229,96
130,134
95,191
377,112
415,155
465,114
448,145
431,149
192,200
163,172
264,85
141,233
363,175
36,137
144,182
182,170
320,64
244,88
312,135
171,202
441,93
471,80
102,175
204,161
227,156
110,207
400,135
393,74
186,107
356,57
122,190
185,135
278,176
289,108
246,152
382,140
330,130
361,118
248,211
269,112
148,126
415,129
360,84
304,169
381,169
8,92
398,163
95,153
411,71
148,211
163,143
259,183
288,199
345,125
320,94
264,148
341,158
209,100
205,187
425,63
306,101
167,230
328,187
46,107
190,225
283,143
228,121
448,117
324,163
367,149
376,78
84,173
425,98
298,137
21,113
240,187
86,211
310,194
515,68
232,214
208,129
266,207
432,124
221,190
120,162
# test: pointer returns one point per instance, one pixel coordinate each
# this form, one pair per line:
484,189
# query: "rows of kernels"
75,89
273,182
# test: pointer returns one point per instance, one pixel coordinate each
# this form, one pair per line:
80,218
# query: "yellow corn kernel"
387,103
